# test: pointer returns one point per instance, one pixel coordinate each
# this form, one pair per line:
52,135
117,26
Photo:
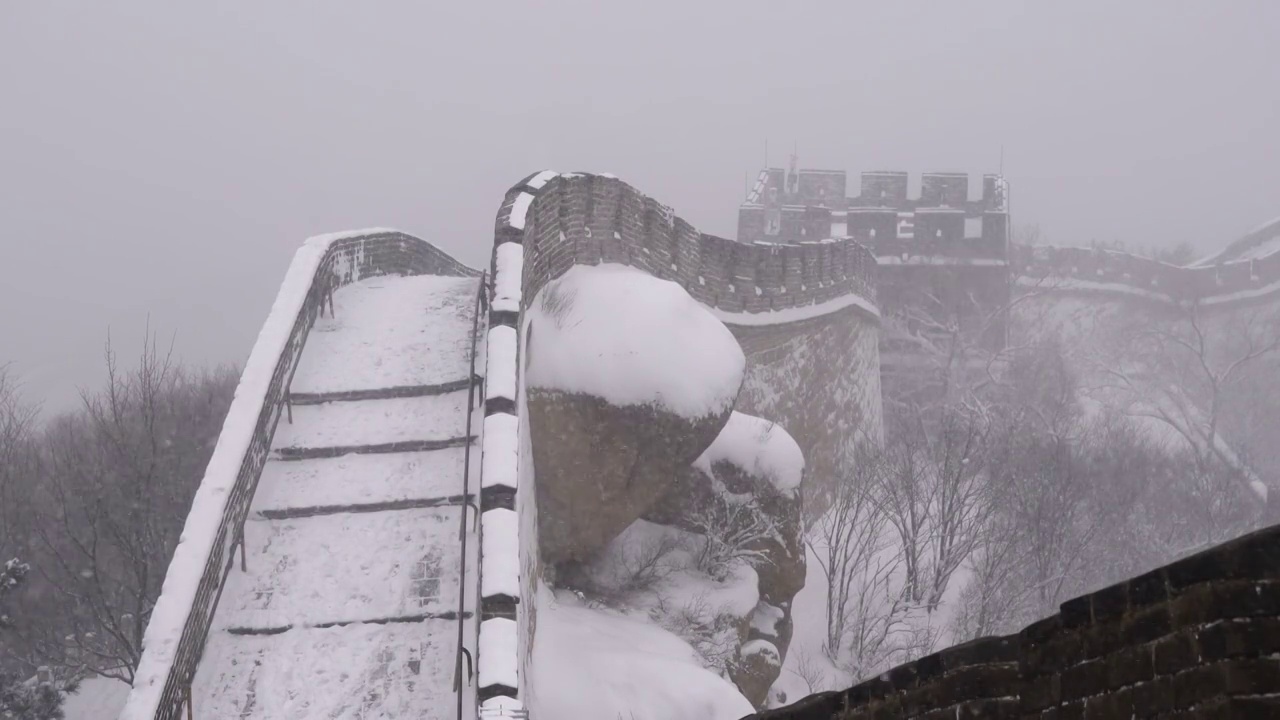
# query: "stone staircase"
348,598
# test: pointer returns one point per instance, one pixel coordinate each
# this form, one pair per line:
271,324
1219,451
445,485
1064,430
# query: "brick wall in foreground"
1197,639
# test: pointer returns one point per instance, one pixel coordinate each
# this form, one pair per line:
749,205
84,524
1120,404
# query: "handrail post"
466,498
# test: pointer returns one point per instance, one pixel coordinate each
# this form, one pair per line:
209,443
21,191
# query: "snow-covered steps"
345,599
355,479
345,567
437,418
393,670
390,332
399,391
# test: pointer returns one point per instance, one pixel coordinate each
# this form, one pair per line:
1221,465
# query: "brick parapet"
1200,637
593,219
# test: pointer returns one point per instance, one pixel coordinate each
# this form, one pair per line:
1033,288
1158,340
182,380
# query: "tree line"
92,502
1008,482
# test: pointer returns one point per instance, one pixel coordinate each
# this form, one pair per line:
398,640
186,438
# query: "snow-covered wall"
505,594
586,219
1248,271
805,314
180,621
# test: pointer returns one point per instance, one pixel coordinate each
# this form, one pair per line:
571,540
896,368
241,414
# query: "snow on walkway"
319,570
362,479
370,422
347,606
387,332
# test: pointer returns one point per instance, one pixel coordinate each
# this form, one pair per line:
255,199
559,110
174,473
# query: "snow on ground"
98,698
806,659
610,666
678,585
361,479
760,447
343,567
362,422
357,671
389,332
623,335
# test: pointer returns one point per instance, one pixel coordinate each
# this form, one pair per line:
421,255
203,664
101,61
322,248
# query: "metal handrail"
466,495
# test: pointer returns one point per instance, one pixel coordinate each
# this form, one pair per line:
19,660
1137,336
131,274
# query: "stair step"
311,453
403,504
421,617
399,391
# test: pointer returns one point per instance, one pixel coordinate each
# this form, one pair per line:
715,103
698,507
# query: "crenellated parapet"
800,205
591,219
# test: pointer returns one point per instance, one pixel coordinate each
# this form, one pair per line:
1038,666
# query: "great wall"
802,290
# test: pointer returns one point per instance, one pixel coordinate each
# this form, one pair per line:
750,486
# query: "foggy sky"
162,159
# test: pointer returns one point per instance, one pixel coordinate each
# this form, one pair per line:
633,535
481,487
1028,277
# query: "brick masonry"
591,219
1196,639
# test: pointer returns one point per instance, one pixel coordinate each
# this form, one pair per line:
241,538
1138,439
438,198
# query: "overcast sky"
165,159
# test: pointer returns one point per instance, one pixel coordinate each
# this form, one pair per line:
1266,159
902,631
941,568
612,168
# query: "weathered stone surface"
820,379
600,467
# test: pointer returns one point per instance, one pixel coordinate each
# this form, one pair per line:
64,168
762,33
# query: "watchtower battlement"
793,206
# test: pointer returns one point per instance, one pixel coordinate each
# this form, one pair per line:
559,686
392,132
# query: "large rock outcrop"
601,467
628,380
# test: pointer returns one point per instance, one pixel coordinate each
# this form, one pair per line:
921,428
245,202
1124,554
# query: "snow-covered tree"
22,699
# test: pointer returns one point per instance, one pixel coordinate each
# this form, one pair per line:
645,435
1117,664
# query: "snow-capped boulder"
628,380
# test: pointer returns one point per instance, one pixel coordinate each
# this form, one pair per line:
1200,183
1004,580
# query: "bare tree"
845,540
958,495
733,531
116,482
903,500
17,423
1180,371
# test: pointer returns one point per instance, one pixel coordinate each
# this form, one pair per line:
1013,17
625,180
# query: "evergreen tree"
23,699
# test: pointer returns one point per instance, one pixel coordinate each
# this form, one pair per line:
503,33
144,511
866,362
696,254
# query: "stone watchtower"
943,258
